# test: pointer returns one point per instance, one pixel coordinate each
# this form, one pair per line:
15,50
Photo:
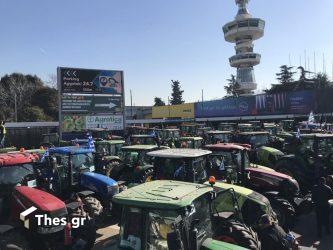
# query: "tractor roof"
213,132
245,125
142,136
162,194
9,159
141,147
171,129
42,200
74,150
112,142
224,147
324,135
179,153
254,133
195,138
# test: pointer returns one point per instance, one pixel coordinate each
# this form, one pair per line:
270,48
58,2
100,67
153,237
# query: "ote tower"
243,31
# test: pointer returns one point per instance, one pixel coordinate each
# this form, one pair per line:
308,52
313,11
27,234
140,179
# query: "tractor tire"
284,211
85,235
111,166
241,235
93,206
147,175
14,240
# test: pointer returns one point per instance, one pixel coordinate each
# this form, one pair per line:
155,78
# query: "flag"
46,154
91,144
311,119
298,134
177,172
222,168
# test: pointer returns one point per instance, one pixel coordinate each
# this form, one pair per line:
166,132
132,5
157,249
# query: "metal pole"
15,106
131,104
202,101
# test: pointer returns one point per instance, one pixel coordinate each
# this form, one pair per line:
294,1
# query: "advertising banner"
113,122
90,81
300,102
91,104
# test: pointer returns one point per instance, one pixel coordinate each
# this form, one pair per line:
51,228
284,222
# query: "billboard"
76,123
91,103
183,111
299,102
90,98
90,81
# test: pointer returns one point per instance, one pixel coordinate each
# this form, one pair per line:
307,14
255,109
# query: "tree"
321,81
285,75
17,87
232,87
158,102
33,114
177,93
46,98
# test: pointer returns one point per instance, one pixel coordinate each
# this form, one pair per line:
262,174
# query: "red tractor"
49,224
230,162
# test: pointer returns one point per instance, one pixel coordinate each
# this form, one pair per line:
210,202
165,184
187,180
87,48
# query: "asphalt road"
305,229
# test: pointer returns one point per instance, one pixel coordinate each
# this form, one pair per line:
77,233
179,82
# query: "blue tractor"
68,172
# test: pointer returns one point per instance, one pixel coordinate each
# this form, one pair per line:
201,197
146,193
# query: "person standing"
321,194
2,134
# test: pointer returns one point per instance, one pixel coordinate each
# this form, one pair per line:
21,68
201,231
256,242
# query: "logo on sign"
107,82
244,106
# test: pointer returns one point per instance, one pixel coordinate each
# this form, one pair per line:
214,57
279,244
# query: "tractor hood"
268,173
27,197
271,150
99,183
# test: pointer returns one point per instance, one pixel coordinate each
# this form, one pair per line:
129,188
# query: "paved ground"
305,228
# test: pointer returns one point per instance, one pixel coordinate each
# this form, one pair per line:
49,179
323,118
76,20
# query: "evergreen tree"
177,93
232,87
158,102
285,75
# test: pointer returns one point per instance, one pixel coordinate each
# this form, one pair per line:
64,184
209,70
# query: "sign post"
90,98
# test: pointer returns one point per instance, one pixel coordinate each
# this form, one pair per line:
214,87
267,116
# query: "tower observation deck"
243,31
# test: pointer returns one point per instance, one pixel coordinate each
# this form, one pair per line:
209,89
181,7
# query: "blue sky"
155,41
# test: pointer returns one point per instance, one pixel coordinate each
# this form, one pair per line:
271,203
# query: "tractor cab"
287,125
191,142
53,140
245,127
217,136
103,134
135,165
178,215
188,129
223,126
203,131
169,136
15,169
180,164
143,140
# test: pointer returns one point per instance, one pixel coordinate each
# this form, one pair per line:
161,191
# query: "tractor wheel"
13,240
147,175
92,206
110,166
284,211
241,235
85,235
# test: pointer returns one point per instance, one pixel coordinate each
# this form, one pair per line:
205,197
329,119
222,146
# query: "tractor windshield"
221,138
12,175
325,146
83,162
224,160
257,140
225,205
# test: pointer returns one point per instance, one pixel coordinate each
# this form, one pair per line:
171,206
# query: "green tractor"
53,140
216,136
169,214
134,165
245,127
107,154
227,126
309,158
143,140
261,152
191,142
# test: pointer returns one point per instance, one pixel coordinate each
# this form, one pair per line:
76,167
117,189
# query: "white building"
243,31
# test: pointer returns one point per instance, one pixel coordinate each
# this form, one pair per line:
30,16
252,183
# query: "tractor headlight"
113,190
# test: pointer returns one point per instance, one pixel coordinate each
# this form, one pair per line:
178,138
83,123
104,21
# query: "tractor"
223,126
203,131
53,140
134,165
309,157
230,162
19,230
191,142
143,140
216,136
261,152
189,129
69,172
169,137
245,127
168,214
